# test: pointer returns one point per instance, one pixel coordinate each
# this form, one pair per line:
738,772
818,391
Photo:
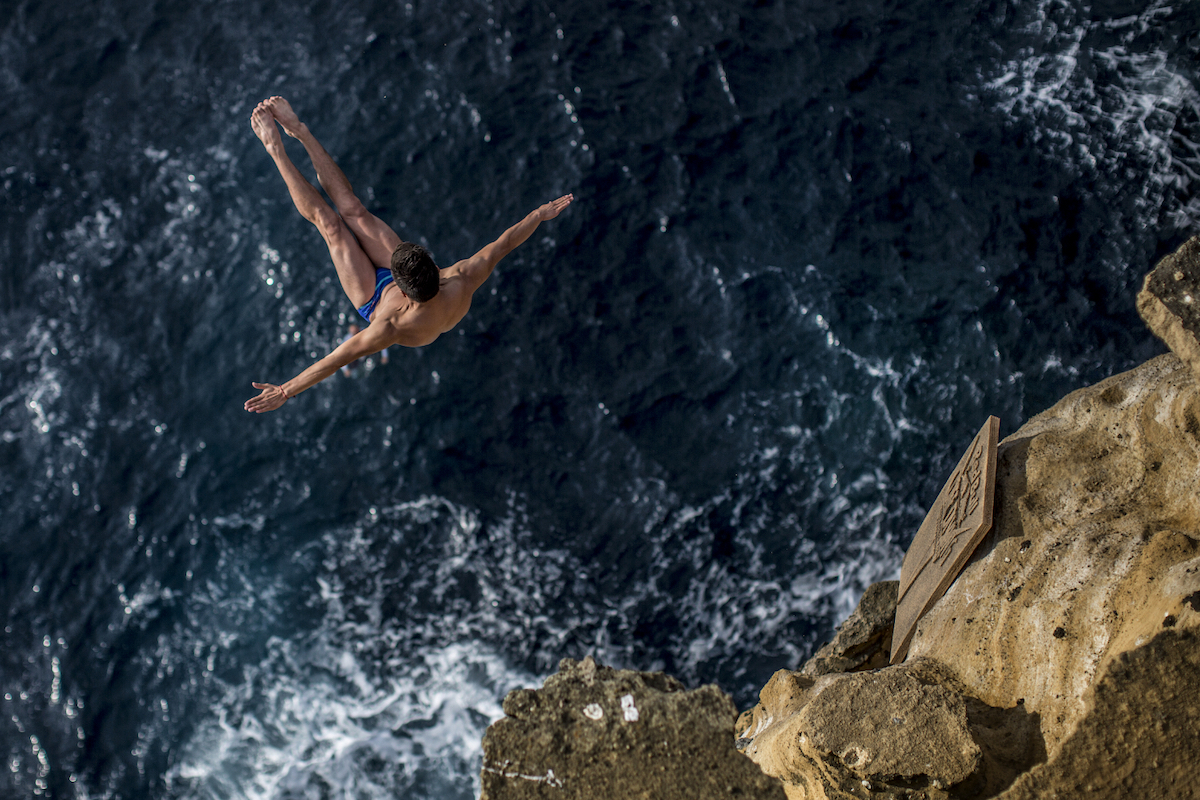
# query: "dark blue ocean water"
814,245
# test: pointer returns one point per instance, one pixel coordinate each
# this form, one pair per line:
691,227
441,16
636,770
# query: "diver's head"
414,271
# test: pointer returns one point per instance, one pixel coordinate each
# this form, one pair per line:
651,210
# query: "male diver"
404,297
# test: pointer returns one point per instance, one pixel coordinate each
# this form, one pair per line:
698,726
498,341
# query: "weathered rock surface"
1138,736
1070,639
890,724
595,732
912,728
1170,302
1094,551
864,640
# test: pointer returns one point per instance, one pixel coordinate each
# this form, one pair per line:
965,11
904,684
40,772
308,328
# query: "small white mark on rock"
1178,275
631,712
505,770
593,711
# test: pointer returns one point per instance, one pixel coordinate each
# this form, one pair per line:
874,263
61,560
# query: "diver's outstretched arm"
362,344
478,267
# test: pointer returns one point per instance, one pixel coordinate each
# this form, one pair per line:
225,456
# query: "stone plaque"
960,518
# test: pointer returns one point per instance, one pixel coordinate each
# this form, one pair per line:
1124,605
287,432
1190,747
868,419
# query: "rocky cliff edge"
1063,661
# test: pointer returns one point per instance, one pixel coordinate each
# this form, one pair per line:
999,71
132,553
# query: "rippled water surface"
814,245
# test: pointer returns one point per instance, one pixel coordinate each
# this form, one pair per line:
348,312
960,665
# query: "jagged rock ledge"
595,732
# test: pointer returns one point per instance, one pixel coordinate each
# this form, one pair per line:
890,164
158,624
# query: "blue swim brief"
382,278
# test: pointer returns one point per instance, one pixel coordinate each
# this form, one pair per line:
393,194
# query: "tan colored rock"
1138,735
908,728
784,695
1170,302
890,724
862,642
595,732
1097,517
1070,638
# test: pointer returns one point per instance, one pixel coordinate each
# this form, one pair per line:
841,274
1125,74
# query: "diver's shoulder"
455,270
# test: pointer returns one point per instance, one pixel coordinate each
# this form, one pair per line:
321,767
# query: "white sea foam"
384,694
324,721
1129,120
353,709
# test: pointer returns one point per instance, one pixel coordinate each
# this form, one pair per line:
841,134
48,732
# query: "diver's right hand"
271,398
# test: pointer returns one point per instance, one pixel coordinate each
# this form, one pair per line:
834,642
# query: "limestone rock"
595,732
1170,302
890,724
1071,639
1138,737
909,728
1093,550
783,696
864,640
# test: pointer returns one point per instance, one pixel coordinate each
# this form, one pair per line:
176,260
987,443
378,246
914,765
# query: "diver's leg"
354,268
375,236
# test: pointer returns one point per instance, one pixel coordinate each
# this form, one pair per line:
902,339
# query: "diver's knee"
353,210
328,223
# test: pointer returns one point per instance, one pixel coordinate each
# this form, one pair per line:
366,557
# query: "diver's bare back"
413,301
411,324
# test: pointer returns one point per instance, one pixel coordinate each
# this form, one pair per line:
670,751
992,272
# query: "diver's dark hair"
414,271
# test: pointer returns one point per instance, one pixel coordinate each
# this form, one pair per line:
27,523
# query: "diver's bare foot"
282,110
263,124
